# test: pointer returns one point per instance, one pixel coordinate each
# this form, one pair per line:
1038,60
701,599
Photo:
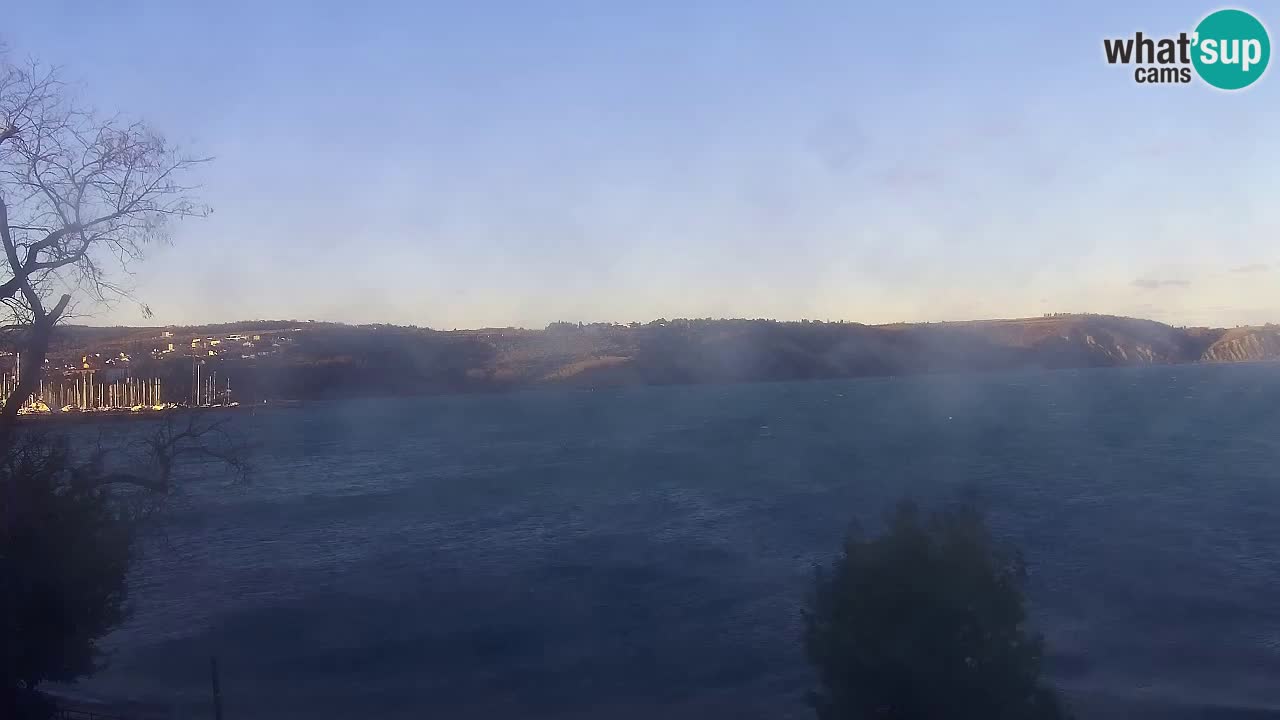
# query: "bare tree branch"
152,461
82,197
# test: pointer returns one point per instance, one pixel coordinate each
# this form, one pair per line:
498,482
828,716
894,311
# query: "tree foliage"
64,555
926,621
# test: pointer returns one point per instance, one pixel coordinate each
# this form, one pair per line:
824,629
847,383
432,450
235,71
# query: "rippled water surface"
644,553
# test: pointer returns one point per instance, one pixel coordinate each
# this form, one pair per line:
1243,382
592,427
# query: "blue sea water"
645,552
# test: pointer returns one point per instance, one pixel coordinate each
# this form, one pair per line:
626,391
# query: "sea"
646,552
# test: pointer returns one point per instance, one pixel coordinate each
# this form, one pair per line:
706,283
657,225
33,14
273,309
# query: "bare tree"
81,198
147,463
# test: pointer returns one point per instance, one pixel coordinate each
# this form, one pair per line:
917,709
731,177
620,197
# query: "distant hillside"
1245,344
306,360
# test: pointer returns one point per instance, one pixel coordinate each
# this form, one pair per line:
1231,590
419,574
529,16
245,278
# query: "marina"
92,392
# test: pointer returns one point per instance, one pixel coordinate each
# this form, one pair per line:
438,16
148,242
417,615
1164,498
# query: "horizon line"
584,323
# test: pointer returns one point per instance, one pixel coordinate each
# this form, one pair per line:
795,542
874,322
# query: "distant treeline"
332,360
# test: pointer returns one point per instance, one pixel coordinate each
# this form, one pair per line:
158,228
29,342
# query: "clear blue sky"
494,163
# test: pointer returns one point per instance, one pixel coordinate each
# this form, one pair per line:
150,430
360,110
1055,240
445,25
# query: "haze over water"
644,552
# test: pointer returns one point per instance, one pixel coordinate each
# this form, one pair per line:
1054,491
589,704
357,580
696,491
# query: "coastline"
59,417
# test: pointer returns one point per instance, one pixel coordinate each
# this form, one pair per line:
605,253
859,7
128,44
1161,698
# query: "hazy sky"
484,163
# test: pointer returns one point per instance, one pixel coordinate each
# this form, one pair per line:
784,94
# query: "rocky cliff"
1245,345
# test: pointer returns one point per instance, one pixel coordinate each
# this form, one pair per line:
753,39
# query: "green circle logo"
1231,49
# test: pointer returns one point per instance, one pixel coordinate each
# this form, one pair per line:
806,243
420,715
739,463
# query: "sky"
514,163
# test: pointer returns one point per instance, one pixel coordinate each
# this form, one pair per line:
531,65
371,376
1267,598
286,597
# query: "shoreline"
117,414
